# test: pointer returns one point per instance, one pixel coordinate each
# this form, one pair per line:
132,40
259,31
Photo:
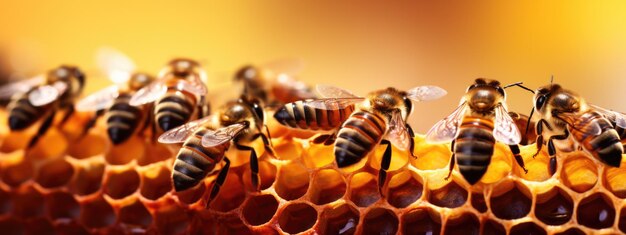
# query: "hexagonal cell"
135,214
39,225
231,194
170,218
62,205
55,173
259,209
288,150
399,158
267,175
579,173
19,140
125,152
501,164
27,202
430,156
491,227
292,182
364,189
527,228
571,231
380,221
69,227
342,219
121,183
16,170
96,213
537,166
88,146
153,153
5,201
510,200
404,188
421,221
596,211
451,195
554,207
10,225
465,223
51,145
297,217
318,156
88,178
328,186
615,181
155,182
479,203
621,223
191,195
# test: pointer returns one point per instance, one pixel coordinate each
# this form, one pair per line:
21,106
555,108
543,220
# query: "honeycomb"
67,185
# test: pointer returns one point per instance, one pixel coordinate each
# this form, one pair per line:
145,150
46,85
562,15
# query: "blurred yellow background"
361,47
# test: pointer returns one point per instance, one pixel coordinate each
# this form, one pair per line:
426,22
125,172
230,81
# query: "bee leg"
269,136
42,129
452,160
552,150
539,141
92,122
254,164
70,111
411,140
221,177
331,139
518,158
384,166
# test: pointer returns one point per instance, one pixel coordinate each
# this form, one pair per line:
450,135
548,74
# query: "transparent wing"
149,93
589,128
10,89
116,65
286,66
181,133
100,100
505,129
426,93
616,117
195,88
222,135
46,94
447,129
334,92
293,87
332,103
398,135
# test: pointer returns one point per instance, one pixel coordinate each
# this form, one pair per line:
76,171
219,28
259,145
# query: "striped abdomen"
23,114
474,147
606,146
194,161
122,119
358,136
302,116
174,109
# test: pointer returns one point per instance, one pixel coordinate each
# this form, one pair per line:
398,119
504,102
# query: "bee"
41,97
475,126
122,118
204,148
568,116
361,122
178,92
273,82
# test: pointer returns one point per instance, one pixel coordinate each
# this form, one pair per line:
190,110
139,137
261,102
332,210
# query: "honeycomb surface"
71,185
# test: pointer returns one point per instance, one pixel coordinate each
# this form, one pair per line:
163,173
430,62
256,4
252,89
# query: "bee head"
139,80
553,98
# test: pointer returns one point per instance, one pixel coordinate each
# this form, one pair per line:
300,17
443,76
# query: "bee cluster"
147,155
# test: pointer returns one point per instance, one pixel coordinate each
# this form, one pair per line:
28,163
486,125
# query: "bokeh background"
359,46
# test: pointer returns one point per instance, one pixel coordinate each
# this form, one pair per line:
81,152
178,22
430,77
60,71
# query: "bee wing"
99,100
332,103
285,66
505,129
10,89
447,129
616,117
426,93
334,92
149,93
116,65
181,133
592,128
295,87
193,87
398,133
46,94
222,135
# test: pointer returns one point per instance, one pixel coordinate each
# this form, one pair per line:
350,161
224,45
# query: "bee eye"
540,101
259,111
501,91
408,104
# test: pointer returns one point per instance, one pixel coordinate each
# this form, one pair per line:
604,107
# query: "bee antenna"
519,84
551,79
528,122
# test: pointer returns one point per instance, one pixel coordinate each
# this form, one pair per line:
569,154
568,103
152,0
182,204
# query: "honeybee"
122,118
273,82
362,122
177,94
567,116
204,148
41,97
475,126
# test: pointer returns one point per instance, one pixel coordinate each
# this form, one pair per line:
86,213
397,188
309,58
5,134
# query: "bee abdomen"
194,162
606,146
122,120
299,115
173,110
23,114
357,137
474,147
